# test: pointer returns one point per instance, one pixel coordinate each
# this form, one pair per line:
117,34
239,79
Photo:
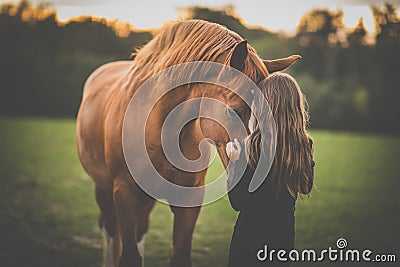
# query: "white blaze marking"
252,119
108,243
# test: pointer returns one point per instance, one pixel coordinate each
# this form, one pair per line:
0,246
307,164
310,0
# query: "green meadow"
48,215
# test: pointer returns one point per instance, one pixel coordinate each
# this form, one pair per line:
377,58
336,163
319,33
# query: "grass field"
48,215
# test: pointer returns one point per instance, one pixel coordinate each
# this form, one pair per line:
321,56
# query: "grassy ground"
48,215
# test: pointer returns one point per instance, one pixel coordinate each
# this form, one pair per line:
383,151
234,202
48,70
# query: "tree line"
350,78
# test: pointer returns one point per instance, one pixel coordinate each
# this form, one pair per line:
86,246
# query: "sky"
272,14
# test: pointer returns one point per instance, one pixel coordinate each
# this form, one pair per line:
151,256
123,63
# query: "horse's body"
124,207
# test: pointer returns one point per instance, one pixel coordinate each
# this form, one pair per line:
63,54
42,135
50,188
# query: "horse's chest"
172,173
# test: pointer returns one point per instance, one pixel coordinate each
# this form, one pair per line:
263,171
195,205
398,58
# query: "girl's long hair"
291,167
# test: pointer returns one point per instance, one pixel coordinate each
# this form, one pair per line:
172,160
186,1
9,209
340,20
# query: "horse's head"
229,116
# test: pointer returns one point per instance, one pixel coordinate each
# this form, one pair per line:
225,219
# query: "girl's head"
291,168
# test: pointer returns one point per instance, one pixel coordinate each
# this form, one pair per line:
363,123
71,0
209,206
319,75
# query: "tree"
357,36
320,27
385,95
44,63
387,24
318,34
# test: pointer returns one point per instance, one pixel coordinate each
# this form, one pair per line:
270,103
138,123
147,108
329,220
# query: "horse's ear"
239,55
280,64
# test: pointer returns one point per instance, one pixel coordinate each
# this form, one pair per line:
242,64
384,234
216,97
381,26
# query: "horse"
124,206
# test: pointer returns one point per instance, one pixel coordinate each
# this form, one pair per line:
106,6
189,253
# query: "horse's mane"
187,41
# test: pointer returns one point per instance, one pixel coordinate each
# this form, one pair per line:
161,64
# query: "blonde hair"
187,41
291,168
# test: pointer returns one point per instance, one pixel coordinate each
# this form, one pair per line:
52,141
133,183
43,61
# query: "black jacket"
267,195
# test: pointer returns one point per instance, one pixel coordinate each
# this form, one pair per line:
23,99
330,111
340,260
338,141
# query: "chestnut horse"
124,207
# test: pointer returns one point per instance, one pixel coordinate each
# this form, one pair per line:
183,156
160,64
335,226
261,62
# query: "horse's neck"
178,111
177,115
191,135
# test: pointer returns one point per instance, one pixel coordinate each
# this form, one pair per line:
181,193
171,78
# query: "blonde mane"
187,41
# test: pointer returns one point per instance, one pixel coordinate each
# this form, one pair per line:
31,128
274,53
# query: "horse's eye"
231,113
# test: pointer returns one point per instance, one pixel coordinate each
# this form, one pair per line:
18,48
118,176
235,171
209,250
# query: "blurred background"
349,73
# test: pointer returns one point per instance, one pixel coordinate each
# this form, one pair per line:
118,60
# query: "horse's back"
100,89
105,76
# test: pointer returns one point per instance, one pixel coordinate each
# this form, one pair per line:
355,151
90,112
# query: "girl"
266,216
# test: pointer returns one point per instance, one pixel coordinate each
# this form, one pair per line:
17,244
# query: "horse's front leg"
184,223
126,201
